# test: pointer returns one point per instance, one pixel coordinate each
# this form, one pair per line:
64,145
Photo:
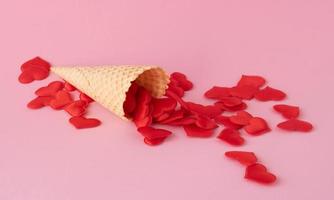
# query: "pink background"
290,42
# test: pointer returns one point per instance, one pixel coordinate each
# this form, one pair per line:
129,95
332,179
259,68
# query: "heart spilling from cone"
148,96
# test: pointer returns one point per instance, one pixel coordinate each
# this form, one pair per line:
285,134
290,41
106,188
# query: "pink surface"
290,42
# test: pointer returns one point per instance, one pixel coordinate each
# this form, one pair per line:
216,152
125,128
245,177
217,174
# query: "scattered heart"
244,157
259,173
296,125
257,126
81,122
51,89
270,94
287,111
231,136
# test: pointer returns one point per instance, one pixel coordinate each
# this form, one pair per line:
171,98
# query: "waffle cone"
108,85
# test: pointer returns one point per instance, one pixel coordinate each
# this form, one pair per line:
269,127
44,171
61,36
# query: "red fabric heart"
130,103
256,81
194,131
177,98
205,122
244,157
68,87
36,62
143,122
154,133
153,142
257,126
226,121
34,69
241,118
142,114
182,81
39,102
182,122
81,122
61,99
32,74
174,87
258,172
287,111
76,108
162,105
231,136
223,107
296,125
217,92
162,117
270,94
210,111
143,96
51,89
176,115
244,91
230,101
86,98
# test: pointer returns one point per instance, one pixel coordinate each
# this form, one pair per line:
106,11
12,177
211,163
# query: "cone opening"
154,80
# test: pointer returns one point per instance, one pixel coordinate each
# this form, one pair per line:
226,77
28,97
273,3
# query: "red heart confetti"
130,103
244,157
259,173
244,91
257,126
174,87
296,125
255,81
153,142
183,121
32,74
226,121
209,111
182,81
154,133
162,105
231,101
143,122
270,94
34,69
231,136
142,110
36,62
86,98
68,87
217,92
51,89
287,111
76,108
241,118
162,118
39,102
205,122
61,99
197,120
176,115
174,96
81,122
194,131
222,106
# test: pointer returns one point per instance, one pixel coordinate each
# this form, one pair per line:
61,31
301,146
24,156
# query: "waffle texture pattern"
108,85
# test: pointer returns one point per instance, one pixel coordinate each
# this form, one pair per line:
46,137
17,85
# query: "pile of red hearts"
197,120
59,96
